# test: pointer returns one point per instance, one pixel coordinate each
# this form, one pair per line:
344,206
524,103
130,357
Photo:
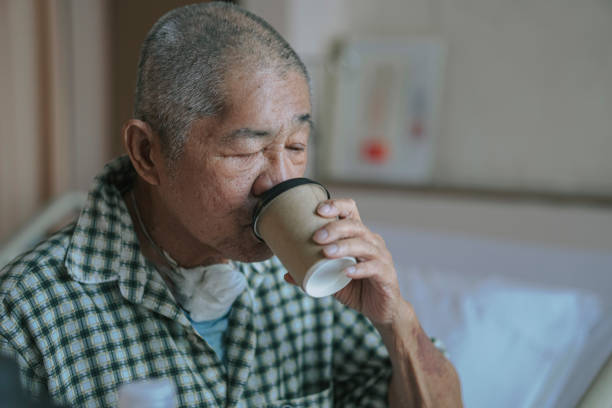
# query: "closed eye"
244,156
297,148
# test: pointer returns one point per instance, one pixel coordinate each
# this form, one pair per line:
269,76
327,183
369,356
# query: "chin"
254,251
261,256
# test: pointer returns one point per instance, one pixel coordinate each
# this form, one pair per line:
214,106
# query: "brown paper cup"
285,219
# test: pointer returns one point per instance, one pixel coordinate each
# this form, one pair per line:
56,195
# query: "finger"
339,207
341,229
365,270
355,247
289,279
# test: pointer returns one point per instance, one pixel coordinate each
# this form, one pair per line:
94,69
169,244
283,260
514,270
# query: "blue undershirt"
212,331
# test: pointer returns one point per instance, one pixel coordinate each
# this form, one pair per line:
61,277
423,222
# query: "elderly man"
161,276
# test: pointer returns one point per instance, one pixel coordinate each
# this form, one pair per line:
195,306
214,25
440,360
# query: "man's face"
258,141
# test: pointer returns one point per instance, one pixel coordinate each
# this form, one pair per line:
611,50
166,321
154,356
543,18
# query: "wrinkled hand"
374,290
421,375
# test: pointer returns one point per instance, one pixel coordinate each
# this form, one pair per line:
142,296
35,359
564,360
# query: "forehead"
265,95
263,101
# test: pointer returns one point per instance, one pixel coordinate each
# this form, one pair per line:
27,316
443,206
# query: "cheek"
238,175
225,190
299,165
228,195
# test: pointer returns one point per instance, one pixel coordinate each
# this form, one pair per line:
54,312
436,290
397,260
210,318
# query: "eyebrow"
257,134
305,118
245,133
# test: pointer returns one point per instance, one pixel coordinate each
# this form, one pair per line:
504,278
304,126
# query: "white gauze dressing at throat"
205,292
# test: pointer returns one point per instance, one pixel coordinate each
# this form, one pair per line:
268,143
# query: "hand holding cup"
286,219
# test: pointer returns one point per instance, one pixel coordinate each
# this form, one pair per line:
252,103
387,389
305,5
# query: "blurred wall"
528,87
19,114
527,101
527,105
54,102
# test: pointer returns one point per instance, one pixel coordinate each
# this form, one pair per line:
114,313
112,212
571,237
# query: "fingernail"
325,209
331,249
350,271
320,235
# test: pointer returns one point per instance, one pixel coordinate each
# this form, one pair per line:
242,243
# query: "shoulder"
36,269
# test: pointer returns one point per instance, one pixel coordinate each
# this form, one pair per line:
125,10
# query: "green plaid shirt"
85,312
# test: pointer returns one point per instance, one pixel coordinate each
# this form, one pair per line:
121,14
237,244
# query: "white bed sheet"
526,325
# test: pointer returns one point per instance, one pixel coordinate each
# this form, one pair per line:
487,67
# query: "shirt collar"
104,246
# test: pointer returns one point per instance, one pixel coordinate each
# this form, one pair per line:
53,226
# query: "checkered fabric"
85,312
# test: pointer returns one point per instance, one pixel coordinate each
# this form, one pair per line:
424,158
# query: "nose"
277,169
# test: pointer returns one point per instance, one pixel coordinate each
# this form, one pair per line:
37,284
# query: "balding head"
187,57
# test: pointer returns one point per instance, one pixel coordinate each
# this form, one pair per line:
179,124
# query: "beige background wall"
20,167
530,222
527,105
528,90
54,102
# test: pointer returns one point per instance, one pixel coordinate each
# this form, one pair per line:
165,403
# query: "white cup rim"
331,285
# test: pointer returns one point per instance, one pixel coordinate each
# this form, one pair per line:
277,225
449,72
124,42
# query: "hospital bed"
525,325
58,212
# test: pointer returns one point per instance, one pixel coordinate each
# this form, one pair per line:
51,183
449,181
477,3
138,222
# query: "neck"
165,230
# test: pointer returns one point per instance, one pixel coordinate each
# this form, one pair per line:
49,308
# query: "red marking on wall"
417,130
375,151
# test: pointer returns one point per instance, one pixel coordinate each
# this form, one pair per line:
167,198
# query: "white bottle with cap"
157,393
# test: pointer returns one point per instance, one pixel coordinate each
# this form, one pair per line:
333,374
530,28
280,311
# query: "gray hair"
186,57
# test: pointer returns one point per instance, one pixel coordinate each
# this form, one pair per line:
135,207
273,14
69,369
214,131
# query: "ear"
144,148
